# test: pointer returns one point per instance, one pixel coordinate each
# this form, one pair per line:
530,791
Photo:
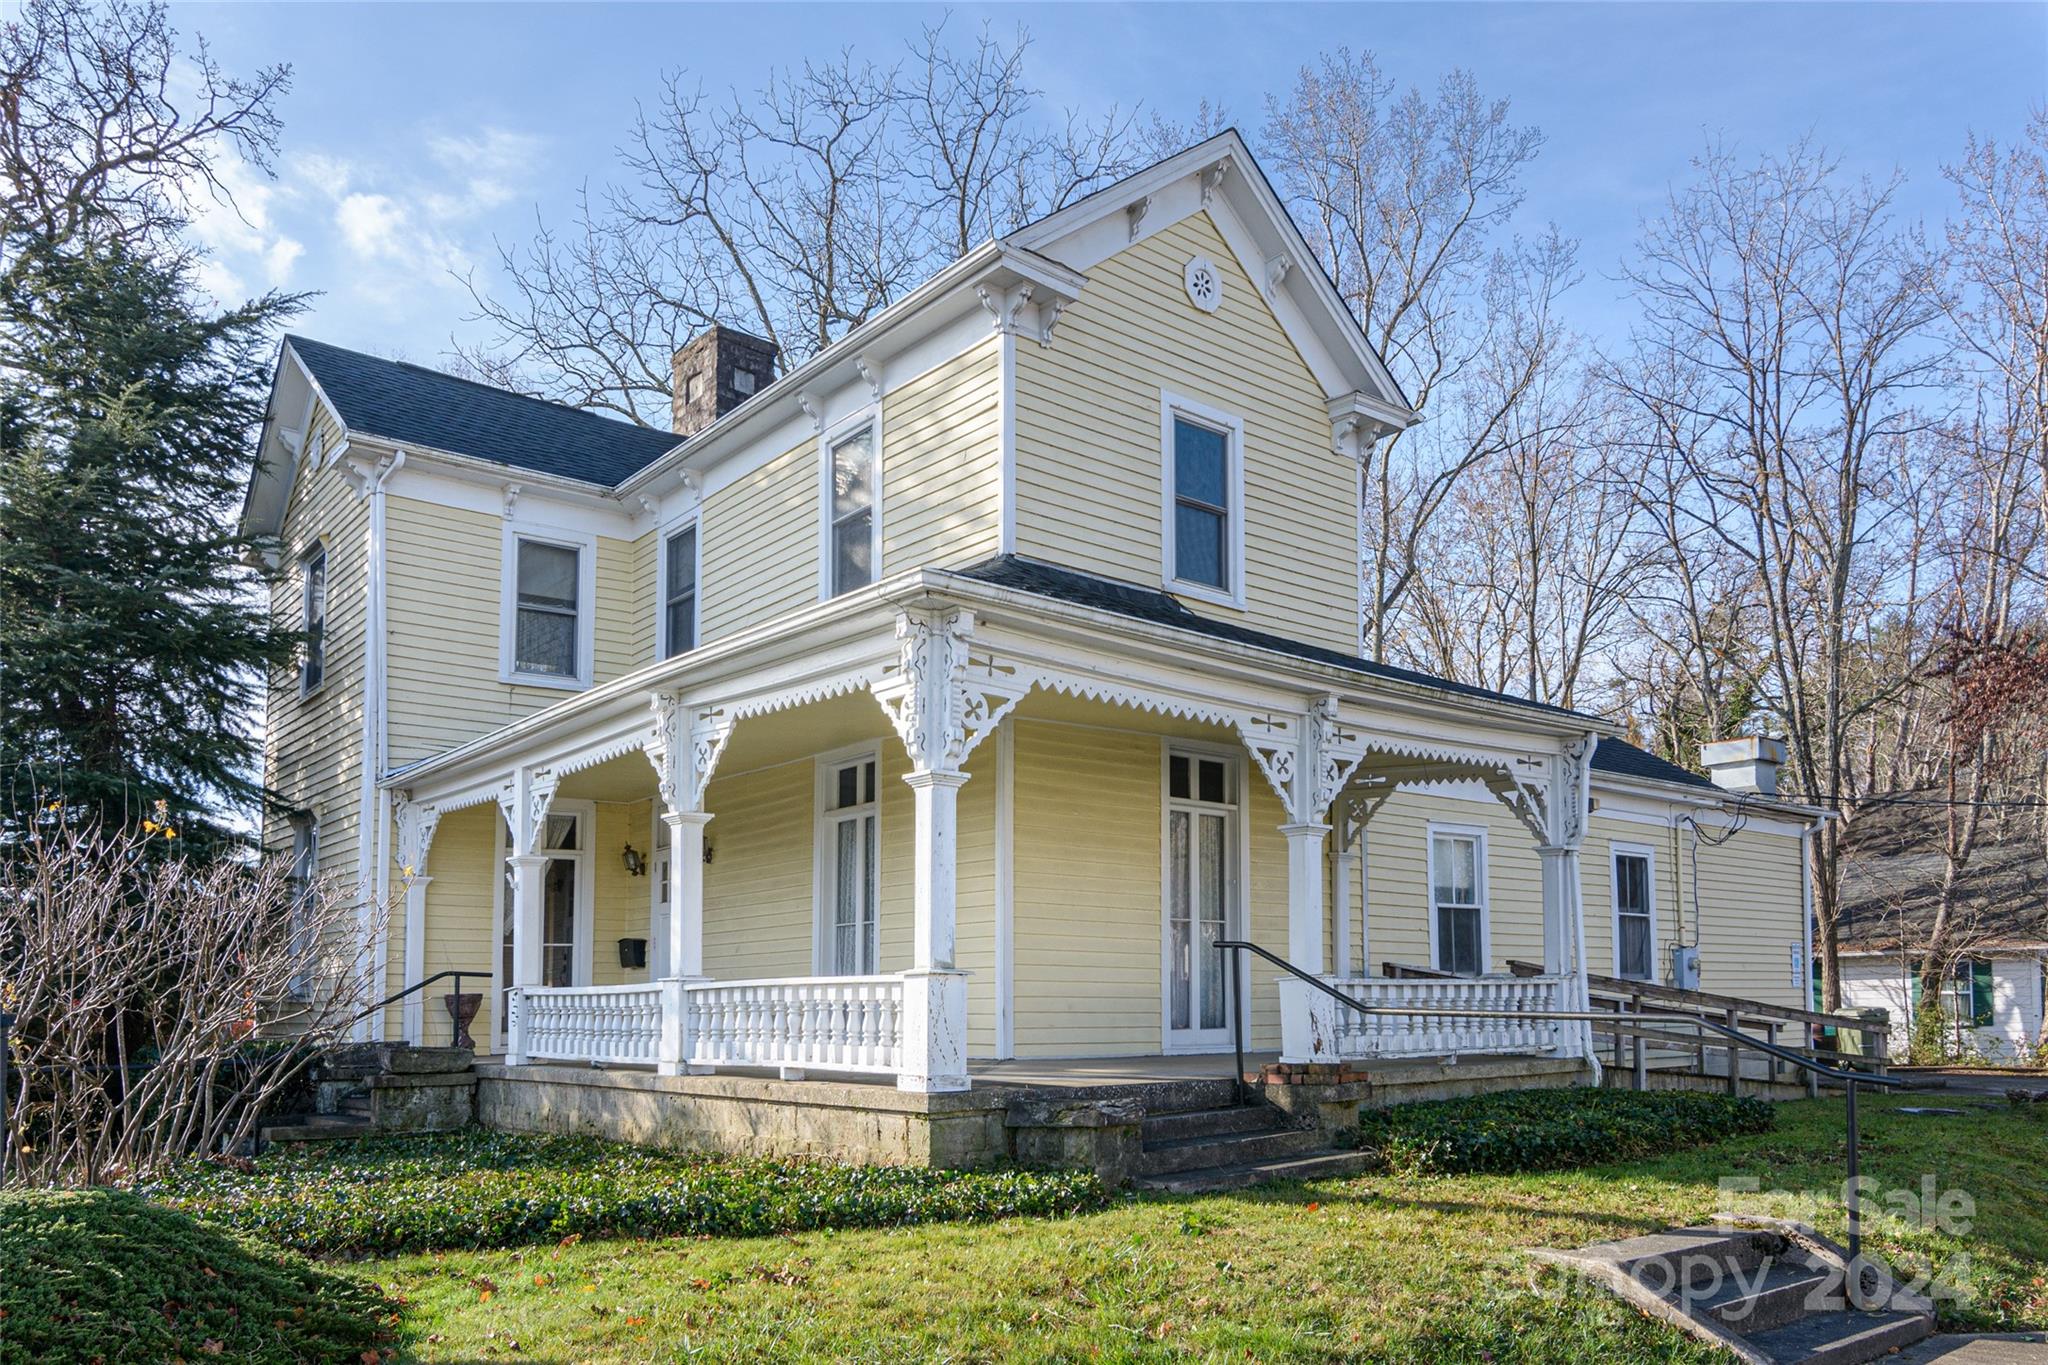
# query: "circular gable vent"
1205,285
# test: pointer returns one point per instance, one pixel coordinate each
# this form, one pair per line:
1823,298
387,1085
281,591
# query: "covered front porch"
946,830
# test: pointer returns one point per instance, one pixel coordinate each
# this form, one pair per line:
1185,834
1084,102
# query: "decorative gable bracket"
1025,294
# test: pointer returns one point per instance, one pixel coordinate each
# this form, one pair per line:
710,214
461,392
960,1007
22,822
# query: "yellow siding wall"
445,570
760,545
312,751
460,903
1397,865
1089,477
760,915
942,464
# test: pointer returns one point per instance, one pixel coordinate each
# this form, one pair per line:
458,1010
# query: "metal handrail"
457,972
1849,1079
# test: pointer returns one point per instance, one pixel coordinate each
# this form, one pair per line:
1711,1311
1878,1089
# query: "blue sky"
414,134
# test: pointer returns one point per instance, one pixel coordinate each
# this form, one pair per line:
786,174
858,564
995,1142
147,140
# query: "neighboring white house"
944,699
1997,978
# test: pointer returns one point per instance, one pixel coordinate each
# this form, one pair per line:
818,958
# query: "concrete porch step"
319,1128
1785,1291
1228,1149
1846,1338
1315,1166
1176,1125
1772,1292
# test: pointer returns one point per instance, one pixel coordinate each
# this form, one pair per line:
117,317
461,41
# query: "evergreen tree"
133,635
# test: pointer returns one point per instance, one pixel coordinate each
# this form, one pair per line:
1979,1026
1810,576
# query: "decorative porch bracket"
1308,776
942,701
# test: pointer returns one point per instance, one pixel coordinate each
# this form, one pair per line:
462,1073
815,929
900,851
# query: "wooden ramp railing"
1782,1026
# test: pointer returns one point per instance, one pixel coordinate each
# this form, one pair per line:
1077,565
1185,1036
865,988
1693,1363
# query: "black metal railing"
458,1027
1849,1079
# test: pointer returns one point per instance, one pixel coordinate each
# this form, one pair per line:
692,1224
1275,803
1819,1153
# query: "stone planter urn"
463,1010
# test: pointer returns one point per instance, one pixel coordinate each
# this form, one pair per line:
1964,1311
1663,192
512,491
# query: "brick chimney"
717,370
1747,764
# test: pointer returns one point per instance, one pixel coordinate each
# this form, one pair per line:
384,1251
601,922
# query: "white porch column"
1564,902
934,993
525,801
529,872
684,749
415,823
1307,1017
940,715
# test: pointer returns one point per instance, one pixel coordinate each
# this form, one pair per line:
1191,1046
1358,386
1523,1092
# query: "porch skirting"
749,1116
1088,1119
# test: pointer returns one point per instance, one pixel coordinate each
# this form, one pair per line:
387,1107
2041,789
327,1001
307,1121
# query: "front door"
564,919
1201,885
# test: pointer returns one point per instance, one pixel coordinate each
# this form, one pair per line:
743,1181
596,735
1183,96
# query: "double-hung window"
313,619
305,870
849,846
850,511
548,604
1457,876
1202,453
1970,988
679,593
1634,916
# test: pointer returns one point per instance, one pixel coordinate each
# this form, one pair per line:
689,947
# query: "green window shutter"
1980,994
1814,977
1915,980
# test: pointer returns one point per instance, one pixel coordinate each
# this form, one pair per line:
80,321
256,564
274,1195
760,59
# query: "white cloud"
280,257
237,226
380,228
493,166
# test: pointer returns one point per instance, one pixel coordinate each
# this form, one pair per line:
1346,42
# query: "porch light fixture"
636,862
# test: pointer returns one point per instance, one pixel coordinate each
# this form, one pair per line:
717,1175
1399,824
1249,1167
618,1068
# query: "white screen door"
1201,896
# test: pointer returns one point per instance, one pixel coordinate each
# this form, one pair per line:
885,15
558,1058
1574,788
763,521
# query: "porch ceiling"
1040,704
629,777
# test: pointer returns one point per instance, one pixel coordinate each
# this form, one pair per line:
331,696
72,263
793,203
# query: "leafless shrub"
161,1005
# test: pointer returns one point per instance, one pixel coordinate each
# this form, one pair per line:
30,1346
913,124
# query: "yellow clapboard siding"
760,544
442,613
942,464
1089,472
312,751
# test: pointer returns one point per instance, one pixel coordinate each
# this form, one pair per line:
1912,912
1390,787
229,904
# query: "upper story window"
852,529
1457,896
548,600
1201,456
1970,993
313,620
679,592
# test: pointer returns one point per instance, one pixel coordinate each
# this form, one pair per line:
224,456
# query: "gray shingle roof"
410,403
1161,608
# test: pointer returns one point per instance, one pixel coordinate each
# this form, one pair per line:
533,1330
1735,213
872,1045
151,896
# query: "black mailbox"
632,952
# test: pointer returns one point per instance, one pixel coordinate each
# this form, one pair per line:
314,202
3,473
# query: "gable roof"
1891,883
412,405
1021,573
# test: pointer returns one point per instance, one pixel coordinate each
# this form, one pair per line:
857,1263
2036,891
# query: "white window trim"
668,532
317,550
868,416
585,545
1173,405
1617,850
305,873
1236,913
823,766
1478,834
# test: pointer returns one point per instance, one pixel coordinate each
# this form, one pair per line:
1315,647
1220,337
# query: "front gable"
1092,421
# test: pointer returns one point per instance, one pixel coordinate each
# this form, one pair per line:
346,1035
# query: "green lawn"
1379,1267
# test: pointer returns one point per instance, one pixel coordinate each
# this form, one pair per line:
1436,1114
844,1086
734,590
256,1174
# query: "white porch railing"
833,1023
591,1023
1436,1035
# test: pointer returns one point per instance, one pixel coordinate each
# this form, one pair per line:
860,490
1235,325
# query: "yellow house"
940,703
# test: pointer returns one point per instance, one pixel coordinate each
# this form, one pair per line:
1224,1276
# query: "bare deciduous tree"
1792,326
796,212
159,1005
1404,197
105,128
